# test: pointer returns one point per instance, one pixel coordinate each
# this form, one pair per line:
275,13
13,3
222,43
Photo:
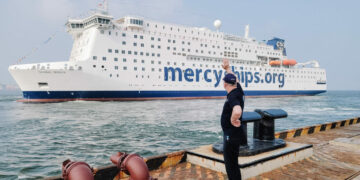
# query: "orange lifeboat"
275,63
289,62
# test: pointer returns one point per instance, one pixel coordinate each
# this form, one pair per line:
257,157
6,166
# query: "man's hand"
226,64
236,123
235,116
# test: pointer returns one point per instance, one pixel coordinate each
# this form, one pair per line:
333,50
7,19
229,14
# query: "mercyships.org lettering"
191,75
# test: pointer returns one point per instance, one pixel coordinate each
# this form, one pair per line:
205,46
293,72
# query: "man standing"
231,122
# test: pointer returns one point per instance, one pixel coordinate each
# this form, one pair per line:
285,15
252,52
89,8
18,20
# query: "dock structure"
336,155
324,151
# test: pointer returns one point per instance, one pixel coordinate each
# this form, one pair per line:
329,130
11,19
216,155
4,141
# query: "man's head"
229,82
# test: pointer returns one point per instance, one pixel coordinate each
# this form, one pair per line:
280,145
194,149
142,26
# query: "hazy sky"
328,31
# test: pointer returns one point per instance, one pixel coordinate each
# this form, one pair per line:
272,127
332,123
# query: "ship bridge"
75,26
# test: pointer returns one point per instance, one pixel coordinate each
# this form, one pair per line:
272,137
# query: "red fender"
76,170
133,165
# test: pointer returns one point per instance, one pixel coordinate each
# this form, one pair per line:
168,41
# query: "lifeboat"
275,63
289,62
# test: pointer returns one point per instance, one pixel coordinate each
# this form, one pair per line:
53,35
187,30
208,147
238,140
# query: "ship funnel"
247,29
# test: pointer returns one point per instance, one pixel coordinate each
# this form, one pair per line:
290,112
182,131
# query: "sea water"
36,137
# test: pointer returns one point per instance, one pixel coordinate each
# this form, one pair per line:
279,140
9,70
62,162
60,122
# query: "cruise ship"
133,58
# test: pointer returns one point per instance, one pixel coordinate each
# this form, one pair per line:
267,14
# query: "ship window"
123,34
104,58
94,57
135,60
109,32
110,50
135,68
152,38
135,44
152,69
141,37
42,84
152,54
135,53
173,41
147,54
152,46
159,39
169,40
188,43
110,75
116,67
159,69
116,51
129,52
94,66
143,69
141,53
125,68
159,47
135,36
102,31
124,42
124,59
152,62
158,55
168,48
102,66
115,59
122,51
159,62
142,44
142,61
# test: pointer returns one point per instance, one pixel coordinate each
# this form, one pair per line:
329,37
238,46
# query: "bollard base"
251,165
254,146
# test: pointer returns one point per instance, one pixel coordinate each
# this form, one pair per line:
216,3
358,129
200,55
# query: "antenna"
105,6
247,29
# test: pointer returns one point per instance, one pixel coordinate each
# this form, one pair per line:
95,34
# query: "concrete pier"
335,156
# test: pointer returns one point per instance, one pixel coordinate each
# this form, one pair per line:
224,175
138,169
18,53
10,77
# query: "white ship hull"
115,60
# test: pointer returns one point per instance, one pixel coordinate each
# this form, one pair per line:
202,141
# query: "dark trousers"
231,153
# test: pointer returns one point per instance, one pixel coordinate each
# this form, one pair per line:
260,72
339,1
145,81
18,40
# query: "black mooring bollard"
264,138
265,128
248,117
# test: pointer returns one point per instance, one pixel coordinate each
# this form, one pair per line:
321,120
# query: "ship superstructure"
133,58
